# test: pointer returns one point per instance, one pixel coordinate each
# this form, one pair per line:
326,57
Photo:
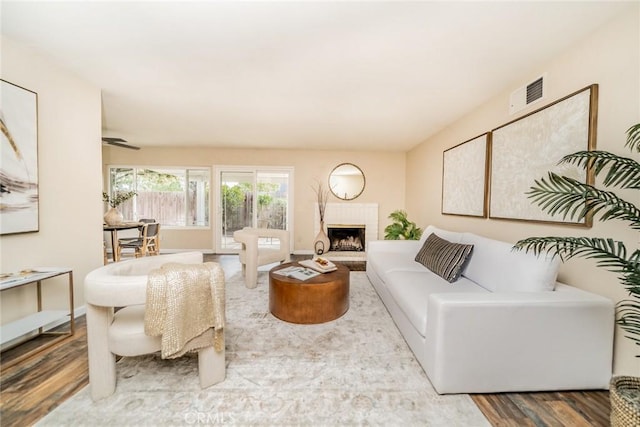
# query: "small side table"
41,318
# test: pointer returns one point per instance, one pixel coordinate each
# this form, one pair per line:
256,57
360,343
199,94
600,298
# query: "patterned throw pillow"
443,257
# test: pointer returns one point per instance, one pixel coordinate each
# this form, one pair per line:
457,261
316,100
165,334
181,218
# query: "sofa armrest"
482,343
404,246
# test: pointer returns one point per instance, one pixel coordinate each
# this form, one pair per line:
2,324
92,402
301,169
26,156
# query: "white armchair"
253,256
124,284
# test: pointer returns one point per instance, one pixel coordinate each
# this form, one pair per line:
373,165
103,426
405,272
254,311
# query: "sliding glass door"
251,197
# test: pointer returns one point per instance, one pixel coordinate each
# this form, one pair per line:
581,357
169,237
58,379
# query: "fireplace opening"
346,237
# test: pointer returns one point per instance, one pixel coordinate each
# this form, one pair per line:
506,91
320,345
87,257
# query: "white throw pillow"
497,267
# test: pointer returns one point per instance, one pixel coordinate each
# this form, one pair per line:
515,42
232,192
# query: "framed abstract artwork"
528,148
19,161
464,177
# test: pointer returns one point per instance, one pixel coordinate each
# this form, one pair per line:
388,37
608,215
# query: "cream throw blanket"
186,306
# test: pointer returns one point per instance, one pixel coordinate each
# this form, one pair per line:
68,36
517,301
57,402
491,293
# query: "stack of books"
321,265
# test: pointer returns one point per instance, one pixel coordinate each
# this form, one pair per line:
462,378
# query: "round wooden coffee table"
317,300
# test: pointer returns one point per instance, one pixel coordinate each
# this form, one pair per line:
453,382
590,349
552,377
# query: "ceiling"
313,75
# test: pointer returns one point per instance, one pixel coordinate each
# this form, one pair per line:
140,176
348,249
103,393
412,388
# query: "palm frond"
560,195
631,278
622,172
629,319
608,253
633,138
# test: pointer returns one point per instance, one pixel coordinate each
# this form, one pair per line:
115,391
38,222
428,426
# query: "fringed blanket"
185,305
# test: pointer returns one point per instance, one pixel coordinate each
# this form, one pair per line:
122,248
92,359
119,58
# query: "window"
173,196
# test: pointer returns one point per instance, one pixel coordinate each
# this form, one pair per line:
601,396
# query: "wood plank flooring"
34,387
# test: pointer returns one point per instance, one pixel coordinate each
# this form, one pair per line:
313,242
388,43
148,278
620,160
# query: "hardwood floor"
32,388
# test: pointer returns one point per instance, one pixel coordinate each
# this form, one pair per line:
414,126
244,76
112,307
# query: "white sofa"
504,325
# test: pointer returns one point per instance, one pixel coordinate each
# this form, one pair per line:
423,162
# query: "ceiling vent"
527,95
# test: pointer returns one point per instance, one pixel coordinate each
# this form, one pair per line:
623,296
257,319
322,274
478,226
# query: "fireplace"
348,238
363,216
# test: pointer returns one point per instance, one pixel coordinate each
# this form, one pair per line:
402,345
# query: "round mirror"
346,181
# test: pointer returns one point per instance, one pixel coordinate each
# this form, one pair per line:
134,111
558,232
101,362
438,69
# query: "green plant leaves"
633,138
622,172
573,199
608,253
401,228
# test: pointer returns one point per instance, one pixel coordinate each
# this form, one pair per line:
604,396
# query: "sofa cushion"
443,257
411,290
385,262
498,268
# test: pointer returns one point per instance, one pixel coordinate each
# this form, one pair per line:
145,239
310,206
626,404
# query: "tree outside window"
171,196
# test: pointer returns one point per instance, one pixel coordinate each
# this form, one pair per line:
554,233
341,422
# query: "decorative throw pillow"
443,257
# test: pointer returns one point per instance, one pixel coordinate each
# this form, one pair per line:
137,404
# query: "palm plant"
574,199
402,228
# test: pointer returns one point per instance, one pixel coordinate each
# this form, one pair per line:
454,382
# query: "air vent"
534,91
526,95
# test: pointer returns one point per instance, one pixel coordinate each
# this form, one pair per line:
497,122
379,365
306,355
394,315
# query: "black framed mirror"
346,181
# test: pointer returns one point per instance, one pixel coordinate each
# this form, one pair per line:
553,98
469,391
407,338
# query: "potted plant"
401,228
113,216
559,194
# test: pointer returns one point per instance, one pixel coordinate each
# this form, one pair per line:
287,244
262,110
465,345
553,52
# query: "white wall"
611,58
70,177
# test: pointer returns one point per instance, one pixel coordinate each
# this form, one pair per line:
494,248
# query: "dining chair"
141,221
147,243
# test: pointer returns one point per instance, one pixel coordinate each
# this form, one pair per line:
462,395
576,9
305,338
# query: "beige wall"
69,131
611,58
384,173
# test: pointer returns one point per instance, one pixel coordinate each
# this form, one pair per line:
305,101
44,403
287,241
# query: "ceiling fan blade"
119,142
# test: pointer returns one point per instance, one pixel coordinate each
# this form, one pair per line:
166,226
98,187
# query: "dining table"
114,228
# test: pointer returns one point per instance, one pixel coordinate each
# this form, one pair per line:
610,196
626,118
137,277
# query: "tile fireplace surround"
355,214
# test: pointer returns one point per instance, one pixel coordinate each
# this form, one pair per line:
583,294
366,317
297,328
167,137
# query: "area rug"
356,370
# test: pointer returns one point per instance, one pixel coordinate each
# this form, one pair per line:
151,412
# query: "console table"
41,318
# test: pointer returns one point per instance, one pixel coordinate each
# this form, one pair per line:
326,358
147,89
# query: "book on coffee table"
300,273
319,264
